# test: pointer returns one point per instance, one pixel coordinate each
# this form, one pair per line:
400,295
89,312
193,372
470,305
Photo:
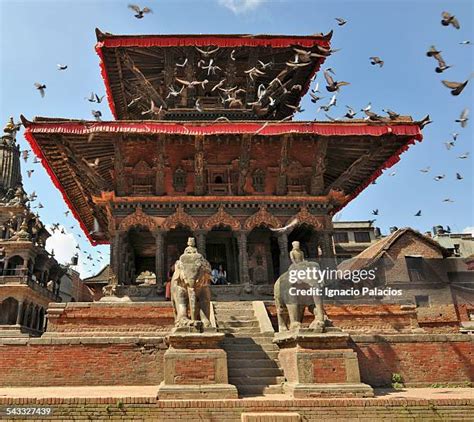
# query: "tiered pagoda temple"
203,145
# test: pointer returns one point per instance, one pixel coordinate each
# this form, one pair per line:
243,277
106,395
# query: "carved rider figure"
191,248
296,254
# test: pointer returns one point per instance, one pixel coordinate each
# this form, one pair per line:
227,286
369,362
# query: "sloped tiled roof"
376,251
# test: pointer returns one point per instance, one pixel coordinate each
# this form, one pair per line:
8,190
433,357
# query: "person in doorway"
215,276
222,275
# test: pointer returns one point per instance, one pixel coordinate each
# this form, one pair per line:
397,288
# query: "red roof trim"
211,40
29,136
105,77
260,128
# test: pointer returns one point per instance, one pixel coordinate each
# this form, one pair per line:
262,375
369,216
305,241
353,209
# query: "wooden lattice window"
179,180
259,180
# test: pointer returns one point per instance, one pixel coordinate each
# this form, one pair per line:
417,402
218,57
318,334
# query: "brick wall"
363,318
268,410
419,359
196,371
329,370
123,317
97,362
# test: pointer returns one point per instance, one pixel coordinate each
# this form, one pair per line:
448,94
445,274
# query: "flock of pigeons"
455,87
269,96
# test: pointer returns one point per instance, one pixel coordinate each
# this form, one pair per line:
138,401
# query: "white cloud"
241,6
64,246
469,229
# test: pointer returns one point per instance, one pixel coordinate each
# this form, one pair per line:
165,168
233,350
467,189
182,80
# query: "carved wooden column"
243,257
319,167
244,162
281,187
19,313
159,256
160,167
327,249
199,164
284,257
115,255
38,320
119,168
201,241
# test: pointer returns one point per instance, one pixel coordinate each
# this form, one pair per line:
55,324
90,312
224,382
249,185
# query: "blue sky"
36,35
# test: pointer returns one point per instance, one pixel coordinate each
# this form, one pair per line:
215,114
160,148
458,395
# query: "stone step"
248,380
247,323
255,373
251,354
252,363
246,347
245,341
237,313
236,316
242,331
234,306
252,390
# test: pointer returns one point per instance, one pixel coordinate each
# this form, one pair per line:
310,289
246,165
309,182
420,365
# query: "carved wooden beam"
93,179
357,165
122,89
190,92
64,156
319,166
169,73
141,79
250,89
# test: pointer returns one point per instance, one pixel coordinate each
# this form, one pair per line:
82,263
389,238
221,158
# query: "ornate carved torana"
305,217
262,218
180,218
139,218
221,219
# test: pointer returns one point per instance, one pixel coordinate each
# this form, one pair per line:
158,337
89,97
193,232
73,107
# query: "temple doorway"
8,311
175,243
264,256
307,236
221,249
143,250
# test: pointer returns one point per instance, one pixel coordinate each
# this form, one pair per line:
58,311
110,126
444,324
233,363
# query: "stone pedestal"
195,367
320,365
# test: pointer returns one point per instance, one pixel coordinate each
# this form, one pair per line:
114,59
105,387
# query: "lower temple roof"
82,158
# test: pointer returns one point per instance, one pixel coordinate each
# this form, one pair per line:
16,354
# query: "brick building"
424,271
352,237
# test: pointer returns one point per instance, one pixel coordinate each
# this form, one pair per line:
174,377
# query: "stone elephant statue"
190,292
290,307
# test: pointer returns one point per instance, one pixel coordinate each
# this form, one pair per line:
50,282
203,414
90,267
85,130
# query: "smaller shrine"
29,275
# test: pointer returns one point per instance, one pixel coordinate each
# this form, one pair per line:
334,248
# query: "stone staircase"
252,358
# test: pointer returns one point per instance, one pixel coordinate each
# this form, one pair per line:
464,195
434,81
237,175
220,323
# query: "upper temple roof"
203,77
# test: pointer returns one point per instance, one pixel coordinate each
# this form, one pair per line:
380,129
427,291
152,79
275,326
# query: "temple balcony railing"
23,276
